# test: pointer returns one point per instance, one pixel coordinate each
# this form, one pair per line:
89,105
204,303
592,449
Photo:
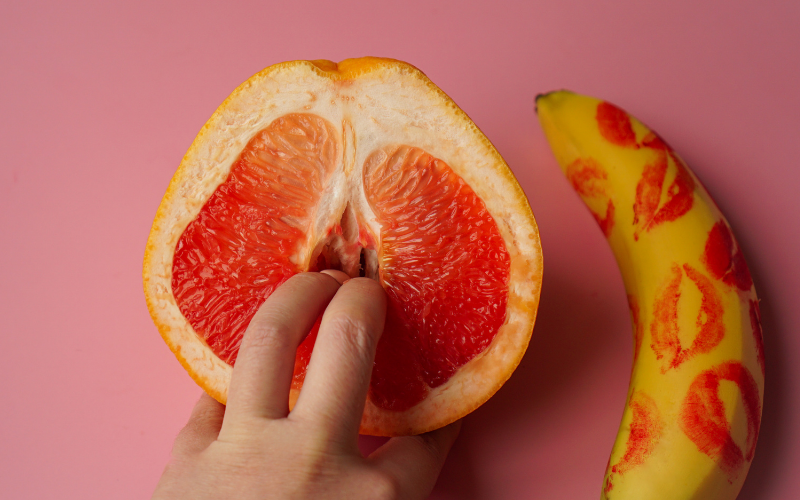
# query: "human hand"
256,449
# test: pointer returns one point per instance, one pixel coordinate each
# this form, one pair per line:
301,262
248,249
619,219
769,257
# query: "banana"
693,411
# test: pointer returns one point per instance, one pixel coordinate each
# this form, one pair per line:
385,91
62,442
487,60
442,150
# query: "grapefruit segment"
245,240
367,167
444,267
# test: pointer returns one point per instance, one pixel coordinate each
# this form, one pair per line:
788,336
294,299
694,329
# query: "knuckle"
315,467
352,335
268,335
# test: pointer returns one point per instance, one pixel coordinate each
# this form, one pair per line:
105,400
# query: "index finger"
262,377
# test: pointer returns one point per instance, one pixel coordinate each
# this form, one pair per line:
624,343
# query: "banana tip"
547,94
536,101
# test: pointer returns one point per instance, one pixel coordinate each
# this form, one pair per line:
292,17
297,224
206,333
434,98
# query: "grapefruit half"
368,167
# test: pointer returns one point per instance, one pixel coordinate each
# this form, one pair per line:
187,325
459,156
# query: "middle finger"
335,388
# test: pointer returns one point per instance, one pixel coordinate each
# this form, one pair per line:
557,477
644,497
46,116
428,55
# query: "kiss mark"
664,330
590,181
703,417
647,426
615,125
607,481
654,141
648,211
638,327
724,259
758,334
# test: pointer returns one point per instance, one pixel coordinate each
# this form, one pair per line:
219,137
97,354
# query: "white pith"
380,109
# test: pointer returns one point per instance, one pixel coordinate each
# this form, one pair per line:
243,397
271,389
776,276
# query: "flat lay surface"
101,101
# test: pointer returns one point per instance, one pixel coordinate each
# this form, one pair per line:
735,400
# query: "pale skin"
256,449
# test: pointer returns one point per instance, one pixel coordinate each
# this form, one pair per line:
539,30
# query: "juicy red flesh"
445,269
442,260
236,252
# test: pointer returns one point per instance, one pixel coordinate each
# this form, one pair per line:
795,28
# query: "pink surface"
99,103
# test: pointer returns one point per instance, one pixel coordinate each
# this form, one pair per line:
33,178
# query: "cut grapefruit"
368,167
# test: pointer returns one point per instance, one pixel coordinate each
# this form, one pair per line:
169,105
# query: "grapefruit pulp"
364,166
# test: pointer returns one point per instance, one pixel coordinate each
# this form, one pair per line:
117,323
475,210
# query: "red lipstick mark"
703,416
654,141
664,330
648,211
647,426
638,327
724,259
758,334
615,125
590,181
607,481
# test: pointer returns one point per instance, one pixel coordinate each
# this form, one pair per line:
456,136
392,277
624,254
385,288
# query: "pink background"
98,103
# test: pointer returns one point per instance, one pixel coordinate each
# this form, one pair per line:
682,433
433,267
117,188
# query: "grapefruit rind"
379,103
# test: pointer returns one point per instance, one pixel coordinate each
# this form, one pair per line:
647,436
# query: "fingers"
202,428
261,380
335,387
414,462
339,276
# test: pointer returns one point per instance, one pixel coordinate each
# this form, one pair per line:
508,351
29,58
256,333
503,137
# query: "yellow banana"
693,411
